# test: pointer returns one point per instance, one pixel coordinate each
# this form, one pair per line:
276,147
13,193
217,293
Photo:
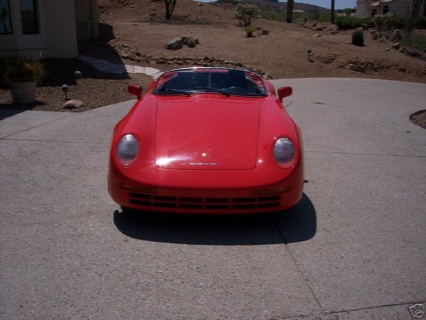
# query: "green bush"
347,23
246,13
388,21
21,69
415,41
358,38
250,30
420,22
274,15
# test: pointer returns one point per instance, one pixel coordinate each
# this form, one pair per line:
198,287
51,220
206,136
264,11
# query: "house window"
5,21
29,16
385,9
373,12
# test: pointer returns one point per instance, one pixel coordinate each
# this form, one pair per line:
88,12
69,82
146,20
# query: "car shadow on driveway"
295,225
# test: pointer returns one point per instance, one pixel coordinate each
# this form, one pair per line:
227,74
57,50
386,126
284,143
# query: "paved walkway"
106,66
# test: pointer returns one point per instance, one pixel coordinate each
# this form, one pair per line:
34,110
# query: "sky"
338,4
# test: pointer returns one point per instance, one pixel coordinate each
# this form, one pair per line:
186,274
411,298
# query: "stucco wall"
57,31
60,29
399,7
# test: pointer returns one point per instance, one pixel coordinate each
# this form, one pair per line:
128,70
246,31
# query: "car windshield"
225,81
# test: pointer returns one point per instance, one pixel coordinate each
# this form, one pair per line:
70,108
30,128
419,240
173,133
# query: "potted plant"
22,75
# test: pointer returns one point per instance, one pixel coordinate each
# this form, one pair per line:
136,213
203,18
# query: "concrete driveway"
354,248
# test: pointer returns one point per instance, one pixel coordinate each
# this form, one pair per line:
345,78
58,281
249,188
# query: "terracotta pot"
23,92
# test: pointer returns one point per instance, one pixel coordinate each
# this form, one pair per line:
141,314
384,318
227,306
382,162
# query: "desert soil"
141,27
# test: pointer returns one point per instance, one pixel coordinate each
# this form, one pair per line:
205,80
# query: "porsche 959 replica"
207,140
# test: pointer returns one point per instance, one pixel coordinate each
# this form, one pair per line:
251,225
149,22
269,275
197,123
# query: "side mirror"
135,90
284,92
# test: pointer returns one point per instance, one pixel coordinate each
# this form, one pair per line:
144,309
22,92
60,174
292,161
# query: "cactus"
358,38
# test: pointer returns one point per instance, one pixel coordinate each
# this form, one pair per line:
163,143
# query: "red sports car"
208,140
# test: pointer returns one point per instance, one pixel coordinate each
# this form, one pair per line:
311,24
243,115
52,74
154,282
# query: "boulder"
191,42
174,44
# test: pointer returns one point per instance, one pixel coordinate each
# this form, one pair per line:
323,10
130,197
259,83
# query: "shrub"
274,15
347,23
388,21
415,41
250,30
21,69
420,22
358,38
246,13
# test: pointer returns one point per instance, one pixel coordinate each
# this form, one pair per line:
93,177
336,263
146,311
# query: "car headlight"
284,152
127,149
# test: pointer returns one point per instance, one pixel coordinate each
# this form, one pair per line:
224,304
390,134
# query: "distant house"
401,8
46,28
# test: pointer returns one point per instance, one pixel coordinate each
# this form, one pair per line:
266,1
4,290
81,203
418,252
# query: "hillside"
282,52
136,32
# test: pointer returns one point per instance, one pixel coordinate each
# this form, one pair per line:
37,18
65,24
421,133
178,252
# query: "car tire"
129,210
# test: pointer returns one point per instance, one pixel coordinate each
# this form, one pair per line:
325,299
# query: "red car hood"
204,134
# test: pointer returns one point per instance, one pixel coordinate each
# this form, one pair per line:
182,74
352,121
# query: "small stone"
73,104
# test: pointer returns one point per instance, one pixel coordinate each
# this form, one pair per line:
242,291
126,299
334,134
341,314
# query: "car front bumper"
280,195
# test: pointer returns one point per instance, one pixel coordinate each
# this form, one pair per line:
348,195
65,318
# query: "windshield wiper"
210,89
174,91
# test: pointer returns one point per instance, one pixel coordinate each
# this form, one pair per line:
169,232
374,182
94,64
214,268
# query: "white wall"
57,31
364,9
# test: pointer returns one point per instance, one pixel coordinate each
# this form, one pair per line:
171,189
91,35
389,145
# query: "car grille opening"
199,203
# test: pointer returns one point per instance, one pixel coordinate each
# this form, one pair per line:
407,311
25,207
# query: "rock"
174,44
412,52
265,32
396,36
73,104
340,64
192,42
395,46
357,67
317,35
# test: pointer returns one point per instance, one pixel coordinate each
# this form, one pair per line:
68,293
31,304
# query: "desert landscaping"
137,33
